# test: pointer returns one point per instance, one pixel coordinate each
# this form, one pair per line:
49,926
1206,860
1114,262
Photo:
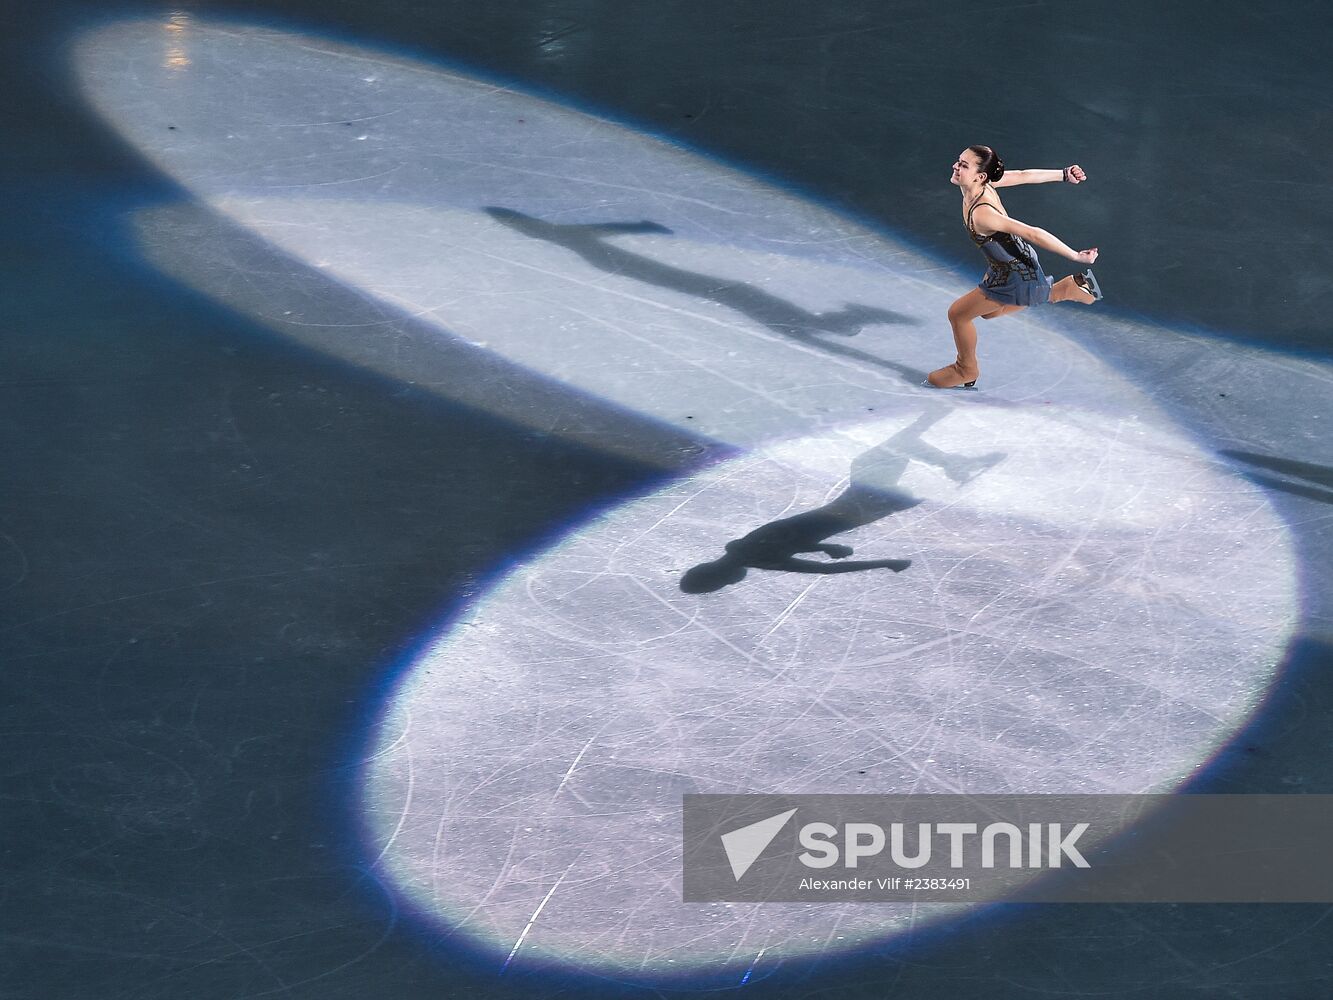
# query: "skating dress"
1014,277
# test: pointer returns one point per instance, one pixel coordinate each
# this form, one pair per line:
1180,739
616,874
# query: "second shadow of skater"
590,241
872,494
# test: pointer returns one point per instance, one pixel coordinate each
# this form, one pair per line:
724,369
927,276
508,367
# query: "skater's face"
966,169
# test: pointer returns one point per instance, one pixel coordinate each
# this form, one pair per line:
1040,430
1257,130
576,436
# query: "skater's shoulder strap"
975,204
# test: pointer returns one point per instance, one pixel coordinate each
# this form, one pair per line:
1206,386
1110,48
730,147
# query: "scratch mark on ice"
535,914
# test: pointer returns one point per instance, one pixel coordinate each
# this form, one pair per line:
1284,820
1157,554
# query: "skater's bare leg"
1067,290
962,316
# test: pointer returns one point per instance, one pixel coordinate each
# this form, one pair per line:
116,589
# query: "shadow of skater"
590,241
872,494
1320,476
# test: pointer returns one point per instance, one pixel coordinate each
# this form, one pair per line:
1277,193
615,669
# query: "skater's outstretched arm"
1072,174
988,220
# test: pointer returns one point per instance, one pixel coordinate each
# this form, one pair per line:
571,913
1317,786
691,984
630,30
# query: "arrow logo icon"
744,846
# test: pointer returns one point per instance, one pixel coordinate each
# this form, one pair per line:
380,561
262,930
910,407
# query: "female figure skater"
1014,278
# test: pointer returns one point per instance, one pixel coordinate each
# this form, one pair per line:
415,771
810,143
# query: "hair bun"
989,163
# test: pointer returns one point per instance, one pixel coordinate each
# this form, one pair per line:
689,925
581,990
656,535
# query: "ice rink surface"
446,465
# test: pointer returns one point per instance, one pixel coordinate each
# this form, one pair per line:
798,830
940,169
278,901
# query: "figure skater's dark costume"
1014,277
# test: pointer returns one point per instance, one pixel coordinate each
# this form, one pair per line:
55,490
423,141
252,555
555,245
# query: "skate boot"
1087,283
954,376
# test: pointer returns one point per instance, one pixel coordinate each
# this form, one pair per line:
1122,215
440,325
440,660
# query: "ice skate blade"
972,386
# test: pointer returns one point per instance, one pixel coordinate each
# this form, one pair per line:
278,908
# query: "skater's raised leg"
1076,288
